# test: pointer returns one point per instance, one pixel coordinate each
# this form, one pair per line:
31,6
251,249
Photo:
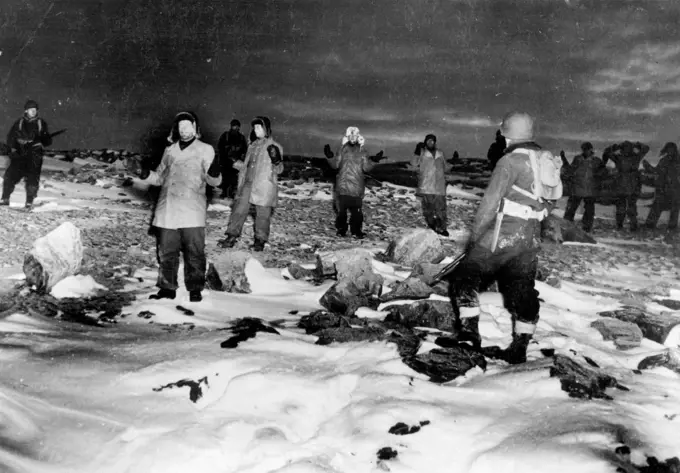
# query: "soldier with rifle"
27,139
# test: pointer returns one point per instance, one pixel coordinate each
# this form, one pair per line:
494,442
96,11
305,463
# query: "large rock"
345,297
558,230
418,246
661,328
409,288
355,264
625,335
427,313
55,256
227,272
446,364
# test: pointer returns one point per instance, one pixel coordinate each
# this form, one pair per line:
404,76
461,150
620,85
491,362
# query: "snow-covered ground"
89,399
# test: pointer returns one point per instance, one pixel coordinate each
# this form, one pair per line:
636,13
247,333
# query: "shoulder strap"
533,159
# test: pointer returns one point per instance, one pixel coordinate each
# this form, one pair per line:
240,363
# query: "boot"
28,206
258,245
359,235
195,296
228,242
469,331
444,233
4,202
516,352
164,294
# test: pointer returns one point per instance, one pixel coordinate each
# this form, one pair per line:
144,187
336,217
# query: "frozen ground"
106,399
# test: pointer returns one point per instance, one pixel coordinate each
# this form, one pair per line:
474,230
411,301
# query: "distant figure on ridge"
26,139
585,173
257,186
351,161
667,186
187,167
430,164
231,147
496,150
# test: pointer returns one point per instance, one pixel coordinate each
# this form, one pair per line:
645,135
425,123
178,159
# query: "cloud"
329,109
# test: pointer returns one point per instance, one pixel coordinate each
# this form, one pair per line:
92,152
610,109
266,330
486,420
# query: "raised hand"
419,149
214,169
274,154
327,151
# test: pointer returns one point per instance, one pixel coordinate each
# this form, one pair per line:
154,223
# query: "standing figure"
351,161
231,147
257,185
430,164
667,186
187,167
26,139
627,184
585,175
504,242
496,150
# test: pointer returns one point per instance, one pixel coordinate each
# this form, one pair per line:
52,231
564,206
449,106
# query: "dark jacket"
29,135
627,179
586,172
516,234
431,172
352,162
232,146
667,182
496,151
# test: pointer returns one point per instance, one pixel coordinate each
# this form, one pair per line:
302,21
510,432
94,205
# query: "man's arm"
211,167
336,160
45,139
13,135
501,180
157,177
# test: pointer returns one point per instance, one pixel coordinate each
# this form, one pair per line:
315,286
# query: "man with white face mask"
257,185
187,166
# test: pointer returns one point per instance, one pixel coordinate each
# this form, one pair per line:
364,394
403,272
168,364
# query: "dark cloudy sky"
598,70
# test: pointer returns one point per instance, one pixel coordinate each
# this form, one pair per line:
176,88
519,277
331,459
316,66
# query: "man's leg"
632,212
588,214
516,281
13,174
621,203
427,204
239,213
356,218
168,246
262,227
33,177
673,218
193,251
440,215
572,205
343,203
654,214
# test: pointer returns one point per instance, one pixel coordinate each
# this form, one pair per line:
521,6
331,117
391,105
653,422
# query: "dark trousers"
588,211
513,270
229,179
626,205
191,242
658,206
353,205
239,213
26,166
434,211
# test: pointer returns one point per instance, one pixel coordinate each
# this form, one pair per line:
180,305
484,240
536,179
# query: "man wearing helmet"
503,245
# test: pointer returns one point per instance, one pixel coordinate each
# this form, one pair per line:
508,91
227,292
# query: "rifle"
448,269
38,143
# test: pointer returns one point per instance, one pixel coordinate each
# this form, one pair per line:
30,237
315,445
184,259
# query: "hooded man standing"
257,185
187,166
431,166
496,150
504,244
585,175
231,147
667,186
626,157
351,161
26,139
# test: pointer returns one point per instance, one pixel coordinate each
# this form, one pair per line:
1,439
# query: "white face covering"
186,129
31,112
259,130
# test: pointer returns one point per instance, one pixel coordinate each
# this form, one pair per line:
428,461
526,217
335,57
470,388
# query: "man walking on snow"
257,185
187,167
27,139
503,244
431,166
351,161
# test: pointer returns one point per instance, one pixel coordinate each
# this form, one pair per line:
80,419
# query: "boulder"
668,359
446,364
625,335
227,272
53,257
345,297
409,288
427,313
418,246
656,327
299,272
558,230
355,264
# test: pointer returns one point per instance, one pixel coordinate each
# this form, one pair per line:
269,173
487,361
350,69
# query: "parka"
431,172
352,162
586,175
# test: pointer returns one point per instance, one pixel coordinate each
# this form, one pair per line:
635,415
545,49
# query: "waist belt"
514,209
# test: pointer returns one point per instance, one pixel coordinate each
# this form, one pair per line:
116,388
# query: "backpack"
547,170
21,125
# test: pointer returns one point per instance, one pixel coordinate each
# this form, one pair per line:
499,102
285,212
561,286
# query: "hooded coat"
258,177
182,176
431,172
627,180
667,182
586,175
352,162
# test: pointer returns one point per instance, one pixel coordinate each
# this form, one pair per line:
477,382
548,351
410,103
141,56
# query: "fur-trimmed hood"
173,137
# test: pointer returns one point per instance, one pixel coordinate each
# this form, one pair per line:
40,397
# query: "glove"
327,151
274,154
378,157
214,169
419,149
22,141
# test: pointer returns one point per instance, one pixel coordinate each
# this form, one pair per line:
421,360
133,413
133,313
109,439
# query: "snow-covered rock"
227,272
416,246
